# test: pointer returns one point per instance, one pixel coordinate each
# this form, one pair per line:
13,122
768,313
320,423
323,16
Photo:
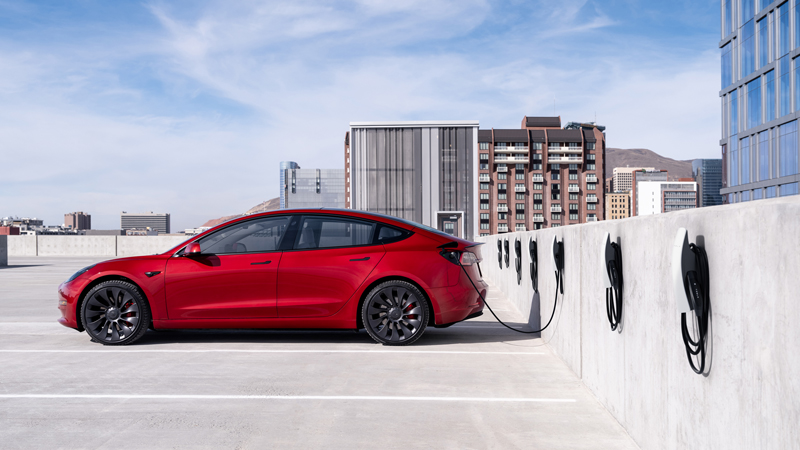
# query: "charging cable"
614,293
559,282
697,349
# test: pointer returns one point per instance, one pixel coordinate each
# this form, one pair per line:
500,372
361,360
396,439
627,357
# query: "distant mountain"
642,157
269,205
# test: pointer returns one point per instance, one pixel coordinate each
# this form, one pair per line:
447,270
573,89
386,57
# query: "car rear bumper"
460,301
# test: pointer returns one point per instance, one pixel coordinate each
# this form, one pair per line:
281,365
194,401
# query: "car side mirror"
192,249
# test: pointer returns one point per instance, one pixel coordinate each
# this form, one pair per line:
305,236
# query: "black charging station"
690,285
612,256
518,259
500,253
506,257
534,252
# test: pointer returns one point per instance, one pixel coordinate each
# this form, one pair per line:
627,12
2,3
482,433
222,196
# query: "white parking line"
284,397
432,352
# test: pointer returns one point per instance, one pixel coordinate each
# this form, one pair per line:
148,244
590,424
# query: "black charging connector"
696,285
518,259
614,293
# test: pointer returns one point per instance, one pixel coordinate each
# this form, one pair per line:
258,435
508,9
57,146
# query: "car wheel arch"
368,289
103,279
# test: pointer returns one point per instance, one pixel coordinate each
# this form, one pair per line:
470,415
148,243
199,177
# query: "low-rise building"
655,197
142,221
618,205
78,221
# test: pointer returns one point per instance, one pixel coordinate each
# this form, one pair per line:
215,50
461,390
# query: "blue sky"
187,107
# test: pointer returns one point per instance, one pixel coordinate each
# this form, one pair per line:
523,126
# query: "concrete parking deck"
473,385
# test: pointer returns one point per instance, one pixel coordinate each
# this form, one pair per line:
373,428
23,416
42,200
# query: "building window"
591,186
502,216
537,156
573,176
519,186
502,176
785,96
573,217
789,189
754,103
590,156
590,145
555,166
727,65
501,196
484,166
521,216
573,167
797,84
537,206
783,24
485,146
484,226
745,153
554,175
484,206
769,93
788,149
502,186
536,166
748,47
555,196
537,186
537,145
555,216
484,185
573,196
763,156
591,206
573,206
590,166
771,192
484,196
520,167
520,206
519,176
484,234
733,97
484,216
484,156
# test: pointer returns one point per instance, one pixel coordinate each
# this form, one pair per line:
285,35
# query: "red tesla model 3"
315,268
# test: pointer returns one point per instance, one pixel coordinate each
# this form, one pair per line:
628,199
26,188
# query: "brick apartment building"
78,221
540,175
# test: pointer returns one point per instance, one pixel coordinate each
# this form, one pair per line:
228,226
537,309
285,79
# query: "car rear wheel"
115,313
395,313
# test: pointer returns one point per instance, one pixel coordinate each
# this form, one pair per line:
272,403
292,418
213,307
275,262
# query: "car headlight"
80,272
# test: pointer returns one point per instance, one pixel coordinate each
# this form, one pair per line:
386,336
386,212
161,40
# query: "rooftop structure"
143,221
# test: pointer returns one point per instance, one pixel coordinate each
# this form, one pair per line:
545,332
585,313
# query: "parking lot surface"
473,385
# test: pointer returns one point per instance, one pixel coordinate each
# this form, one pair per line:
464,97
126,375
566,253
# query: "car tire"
115,313
395,312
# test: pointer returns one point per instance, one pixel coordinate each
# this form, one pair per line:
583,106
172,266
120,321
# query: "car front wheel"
115,313
395,313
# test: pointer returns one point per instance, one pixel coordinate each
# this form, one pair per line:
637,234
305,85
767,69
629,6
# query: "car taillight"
468,259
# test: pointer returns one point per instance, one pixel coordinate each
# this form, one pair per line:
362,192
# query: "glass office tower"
760,99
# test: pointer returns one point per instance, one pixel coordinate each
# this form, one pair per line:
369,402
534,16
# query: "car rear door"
234,277
331,257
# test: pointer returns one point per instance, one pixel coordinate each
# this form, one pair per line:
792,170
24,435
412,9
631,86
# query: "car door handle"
256,263
360,259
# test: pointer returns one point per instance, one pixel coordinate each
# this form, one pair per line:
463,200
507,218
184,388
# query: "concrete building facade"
656,197
618,205
708,176
760,99
142,221
78,221
313,188
640,176
623,177
540,175
424,171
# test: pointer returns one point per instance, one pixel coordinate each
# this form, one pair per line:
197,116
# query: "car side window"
388,234
252,236
328,232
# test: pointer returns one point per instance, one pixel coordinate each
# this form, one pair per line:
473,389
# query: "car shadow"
22,266
457,334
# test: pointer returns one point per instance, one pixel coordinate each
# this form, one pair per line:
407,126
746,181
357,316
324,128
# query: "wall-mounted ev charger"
558,265
558,262
506,256
500,253
534,252
690,286
518,259
612,278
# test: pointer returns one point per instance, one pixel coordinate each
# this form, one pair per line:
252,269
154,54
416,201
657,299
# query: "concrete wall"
751,397
90,245
3,250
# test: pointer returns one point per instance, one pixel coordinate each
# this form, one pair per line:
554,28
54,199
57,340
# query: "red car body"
291,288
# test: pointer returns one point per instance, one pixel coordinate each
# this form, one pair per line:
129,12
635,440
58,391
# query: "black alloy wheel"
115,313
395,313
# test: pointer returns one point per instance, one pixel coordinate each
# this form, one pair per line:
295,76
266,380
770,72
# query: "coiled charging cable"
614,293
700,321
559,283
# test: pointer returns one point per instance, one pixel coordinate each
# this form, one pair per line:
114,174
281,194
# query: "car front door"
234,276
331,257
